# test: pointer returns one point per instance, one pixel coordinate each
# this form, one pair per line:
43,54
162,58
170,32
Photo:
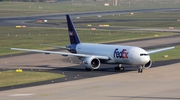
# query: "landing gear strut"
140,70
119,67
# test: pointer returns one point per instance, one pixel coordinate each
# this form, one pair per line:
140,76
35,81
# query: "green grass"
172,54
11,77
34,8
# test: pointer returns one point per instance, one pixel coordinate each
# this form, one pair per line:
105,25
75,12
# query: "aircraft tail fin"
73,36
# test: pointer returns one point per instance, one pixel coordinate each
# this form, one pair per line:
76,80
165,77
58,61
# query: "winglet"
74,39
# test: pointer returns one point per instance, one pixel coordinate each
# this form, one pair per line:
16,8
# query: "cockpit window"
143,54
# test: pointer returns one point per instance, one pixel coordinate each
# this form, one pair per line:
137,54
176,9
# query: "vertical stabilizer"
73,36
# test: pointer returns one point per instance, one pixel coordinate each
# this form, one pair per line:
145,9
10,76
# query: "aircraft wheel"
116,68
122,68
119,68
140,70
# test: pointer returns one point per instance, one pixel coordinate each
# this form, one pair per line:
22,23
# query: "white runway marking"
21,94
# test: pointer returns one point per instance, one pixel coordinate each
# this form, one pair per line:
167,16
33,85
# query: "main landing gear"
119,67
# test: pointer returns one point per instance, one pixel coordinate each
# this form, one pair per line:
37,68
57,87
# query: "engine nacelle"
148,65
91,62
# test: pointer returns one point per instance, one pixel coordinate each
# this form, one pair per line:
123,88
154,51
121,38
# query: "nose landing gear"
140,70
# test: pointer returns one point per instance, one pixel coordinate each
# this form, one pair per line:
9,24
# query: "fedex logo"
120,54
71,33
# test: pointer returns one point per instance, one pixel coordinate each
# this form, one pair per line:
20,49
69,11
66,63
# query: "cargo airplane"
92,55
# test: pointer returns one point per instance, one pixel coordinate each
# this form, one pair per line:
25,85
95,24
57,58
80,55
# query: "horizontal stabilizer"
59,47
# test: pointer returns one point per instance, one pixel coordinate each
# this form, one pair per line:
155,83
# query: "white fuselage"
117,54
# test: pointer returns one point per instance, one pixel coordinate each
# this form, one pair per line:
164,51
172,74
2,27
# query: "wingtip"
172,47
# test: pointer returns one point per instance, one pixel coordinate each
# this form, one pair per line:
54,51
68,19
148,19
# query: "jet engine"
91,63
148,65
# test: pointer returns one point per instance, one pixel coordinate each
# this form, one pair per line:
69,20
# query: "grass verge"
166,55
11,77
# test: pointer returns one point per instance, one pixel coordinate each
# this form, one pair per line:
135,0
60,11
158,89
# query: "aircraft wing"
159,50
62,53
